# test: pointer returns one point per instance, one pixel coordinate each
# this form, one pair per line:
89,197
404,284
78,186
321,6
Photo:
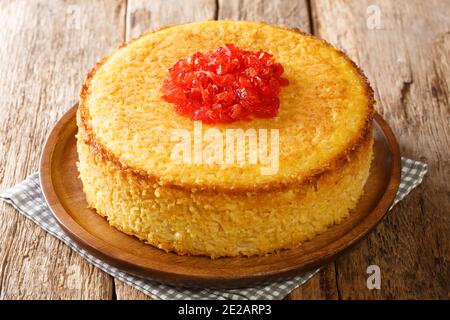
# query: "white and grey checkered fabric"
28,199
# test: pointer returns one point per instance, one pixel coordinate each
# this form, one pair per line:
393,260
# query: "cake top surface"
325,110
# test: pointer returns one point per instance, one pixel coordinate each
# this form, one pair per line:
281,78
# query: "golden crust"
216,224
337,162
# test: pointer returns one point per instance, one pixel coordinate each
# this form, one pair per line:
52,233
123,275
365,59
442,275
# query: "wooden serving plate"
63,192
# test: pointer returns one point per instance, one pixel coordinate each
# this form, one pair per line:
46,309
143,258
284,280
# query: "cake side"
217,224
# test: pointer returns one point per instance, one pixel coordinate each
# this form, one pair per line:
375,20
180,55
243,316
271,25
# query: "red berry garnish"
225,85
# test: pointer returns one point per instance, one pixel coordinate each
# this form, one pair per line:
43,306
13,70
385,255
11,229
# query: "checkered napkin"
28,199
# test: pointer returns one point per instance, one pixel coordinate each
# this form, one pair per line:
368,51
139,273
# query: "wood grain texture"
292,14
144,16
46,49
407,62
45,52
320,287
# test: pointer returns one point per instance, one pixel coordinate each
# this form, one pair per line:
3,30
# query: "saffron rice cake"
124,145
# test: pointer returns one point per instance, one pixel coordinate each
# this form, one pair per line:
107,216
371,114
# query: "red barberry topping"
225,85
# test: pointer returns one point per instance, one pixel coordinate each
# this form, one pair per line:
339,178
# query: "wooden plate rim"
136,265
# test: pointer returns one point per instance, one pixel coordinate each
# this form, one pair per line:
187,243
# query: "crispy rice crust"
217,224
335,164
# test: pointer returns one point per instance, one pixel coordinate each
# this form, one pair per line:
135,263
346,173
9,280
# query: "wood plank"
144,16
407,62
47,48
127,292
320,287
290,14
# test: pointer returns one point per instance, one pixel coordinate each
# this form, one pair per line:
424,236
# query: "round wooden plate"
63,192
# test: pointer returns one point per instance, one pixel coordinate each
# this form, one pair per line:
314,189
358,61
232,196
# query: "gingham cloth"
28,199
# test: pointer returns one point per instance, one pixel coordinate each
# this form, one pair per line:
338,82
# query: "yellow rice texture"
326,139
323,110
217,224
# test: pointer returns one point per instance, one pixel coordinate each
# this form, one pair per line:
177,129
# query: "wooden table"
47,47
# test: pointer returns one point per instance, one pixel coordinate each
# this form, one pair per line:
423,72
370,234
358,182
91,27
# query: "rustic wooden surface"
47,47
